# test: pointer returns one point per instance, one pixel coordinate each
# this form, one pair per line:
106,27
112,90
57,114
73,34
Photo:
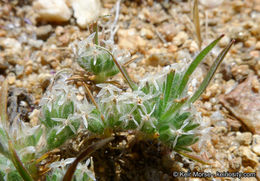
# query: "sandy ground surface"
33,49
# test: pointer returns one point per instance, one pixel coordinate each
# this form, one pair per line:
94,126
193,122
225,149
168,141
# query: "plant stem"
24,173
122,70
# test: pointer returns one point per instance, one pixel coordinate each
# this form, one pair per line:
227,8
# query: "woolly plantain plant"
158,106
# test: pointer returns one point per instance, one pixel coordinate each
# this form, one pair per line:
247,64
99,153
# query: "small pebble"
255,85
157,59
59,30
172,48
208,105
168,30
43,31
255,53
244,138
147,33
235,163
18,83
211,3
257,46
239,34
240,72
52,10
234,124
11,44
193,47
251,42
34,117
35,43
256,144
2,33
248,157
130,40
11,78
19,69
180,38
85,11
28,70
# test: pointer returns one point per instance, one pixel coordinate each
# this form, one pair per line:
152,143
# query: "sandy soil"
157,33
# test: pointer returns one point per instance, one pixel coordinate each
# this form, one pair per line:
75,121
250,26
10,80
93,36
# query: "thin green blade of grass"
24,173
211,72
195,63
196,21
86,153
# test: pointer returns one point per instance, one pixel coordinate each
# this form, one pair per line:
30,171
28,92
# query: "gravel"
34,44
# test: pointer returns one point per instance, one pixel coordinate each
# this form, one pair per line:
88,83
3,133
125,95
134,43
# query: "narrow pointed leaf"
166,91
168,87
86,153
24,173
211,72
170,112
195,63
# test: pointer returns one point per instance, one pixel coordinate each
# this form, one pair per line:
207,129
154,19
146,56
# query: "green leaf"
186,140
3,147
163,128
167,88
195,63
66,109
2,174
57,111
190,127
178,120
211,72
24,173
95,125
55,140
14,176
170,113
165,134
171,104
175,86
147,128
